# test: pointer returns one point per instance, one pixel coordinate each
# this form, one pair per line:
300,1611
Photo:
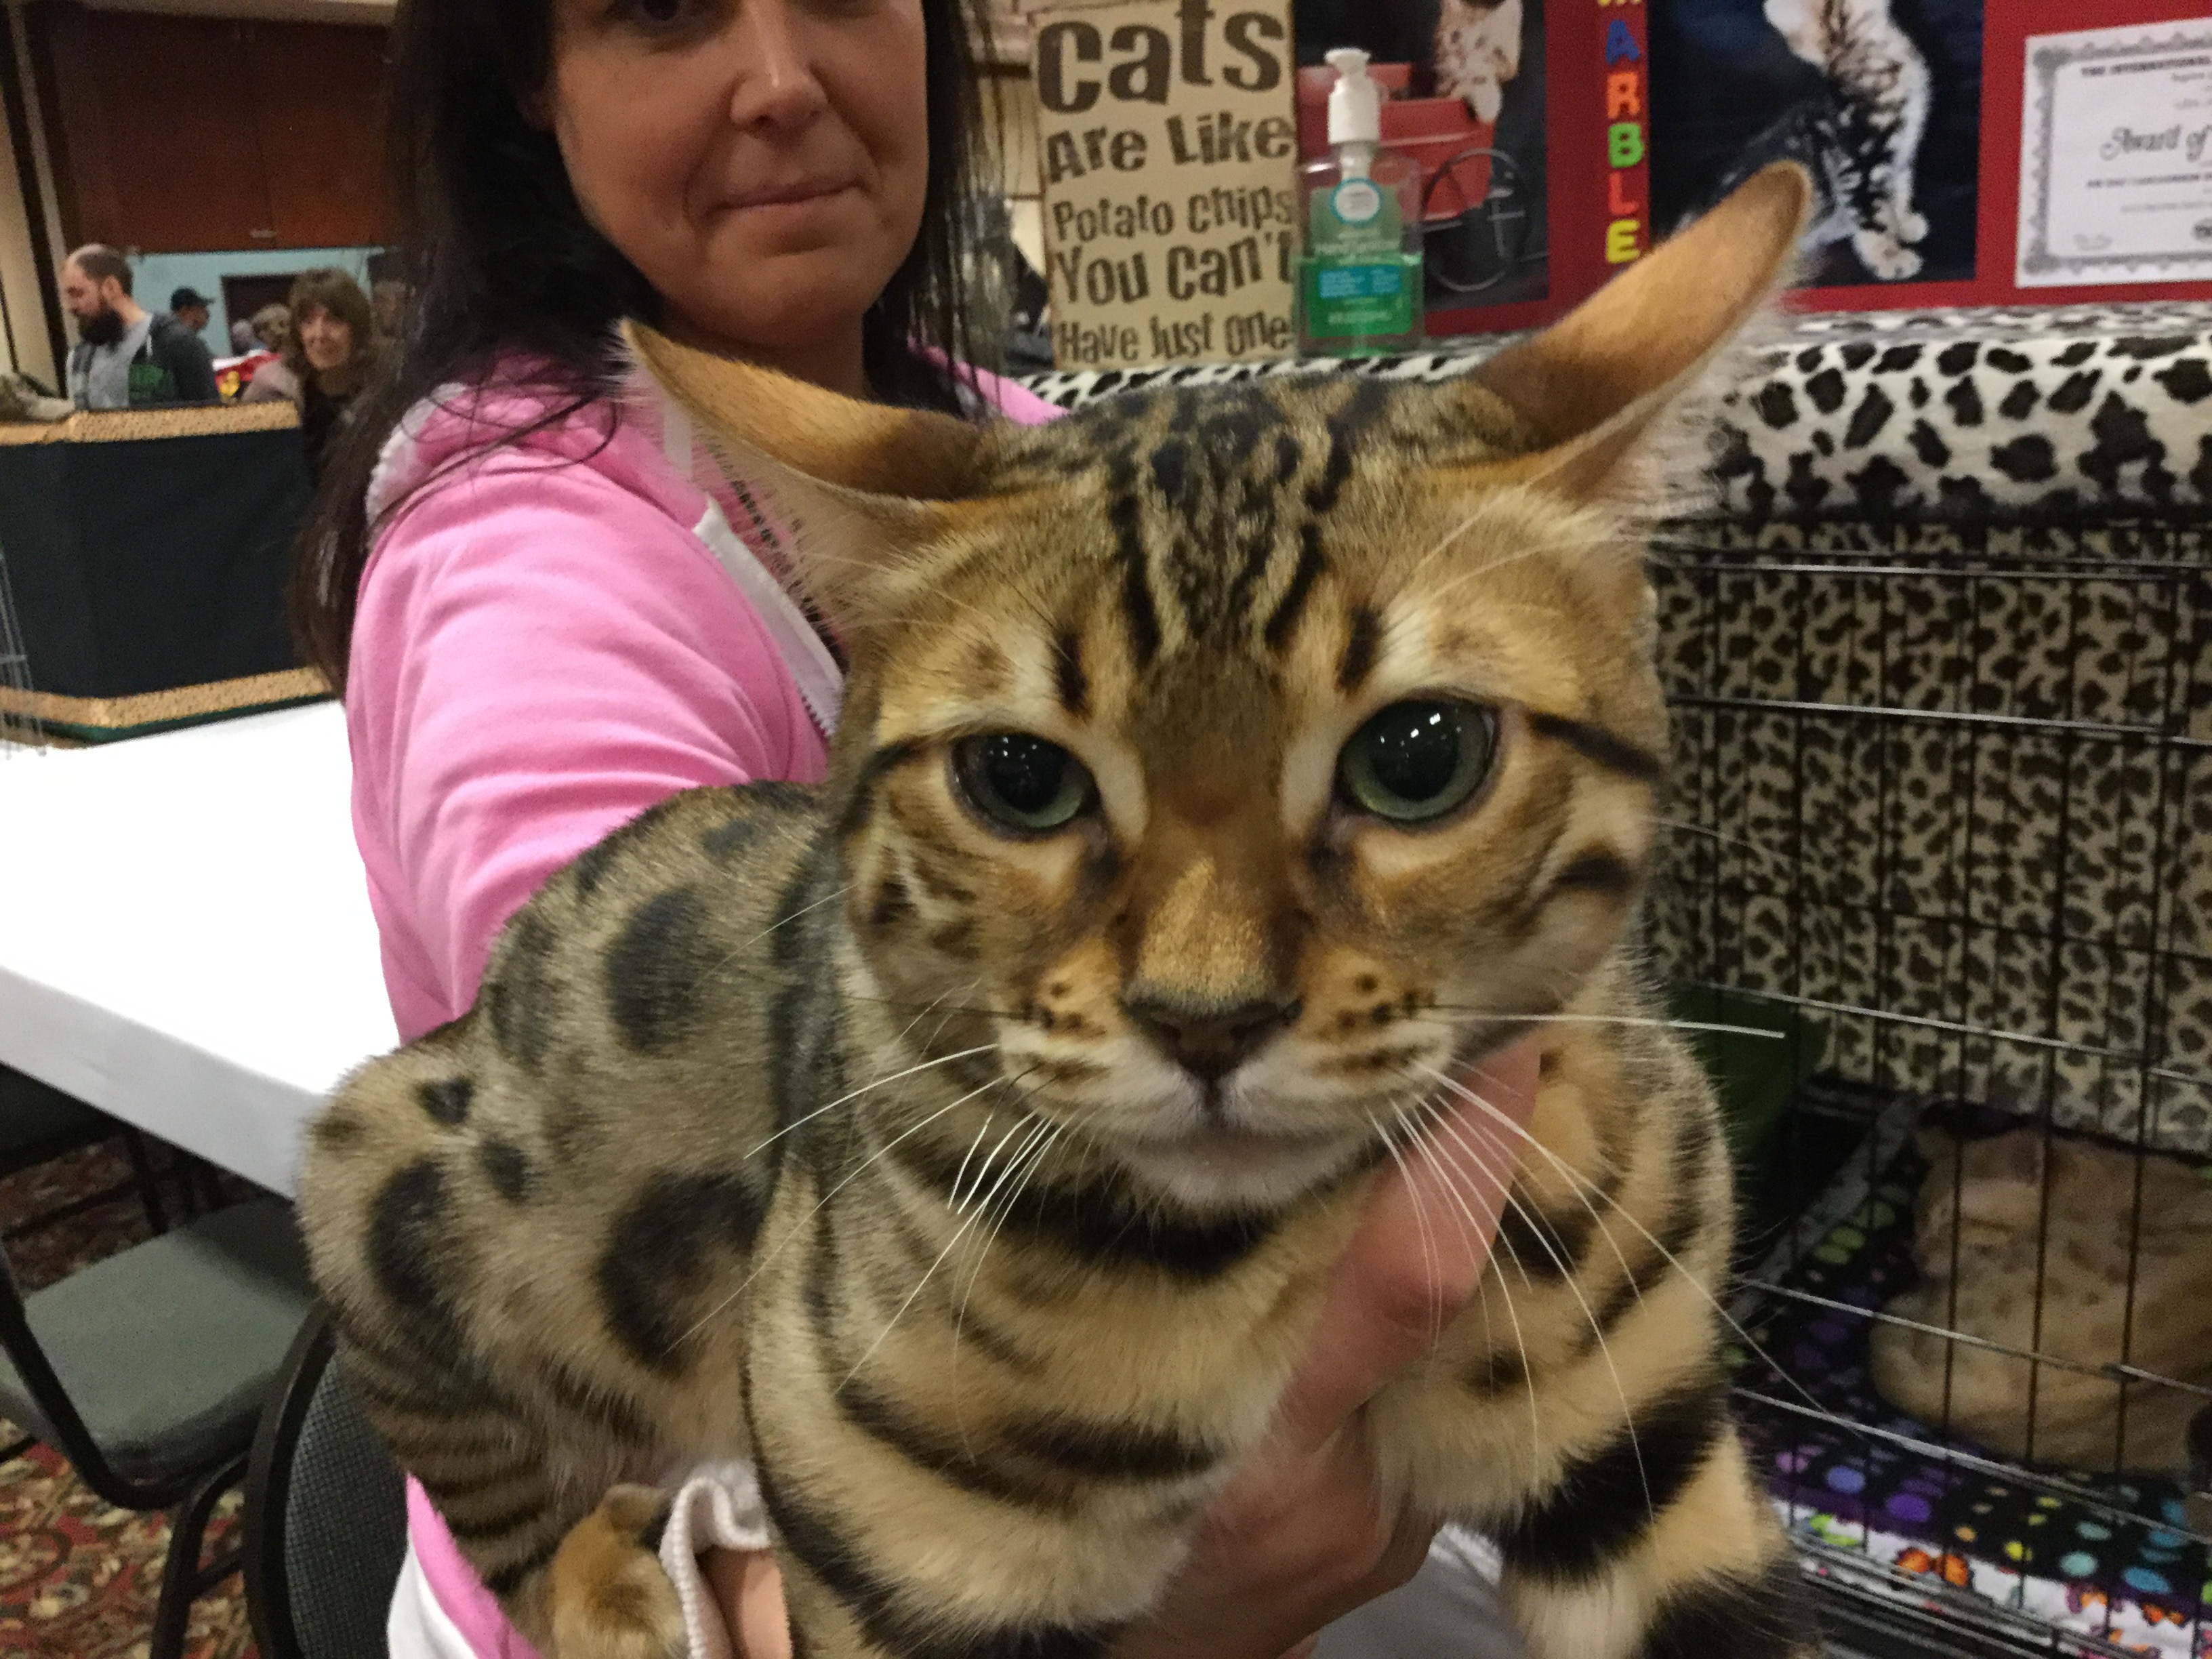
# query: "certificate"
2115,157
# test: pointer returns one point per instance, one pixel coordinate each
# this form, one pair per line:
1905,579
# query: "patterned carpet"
77,1577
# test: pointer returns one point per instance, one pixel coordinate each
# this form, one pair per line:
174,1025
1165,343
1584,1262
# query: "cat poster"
1880,99
1466,80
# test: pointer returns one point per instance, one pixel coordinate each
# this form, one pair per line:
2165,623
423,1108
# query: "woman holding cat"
548,611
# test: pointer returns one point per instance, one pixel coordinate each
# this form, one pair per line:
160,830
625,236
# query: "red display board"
1600,91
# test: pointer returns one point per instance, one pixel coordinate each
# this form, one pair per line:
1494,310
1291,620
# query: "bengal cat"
2093,1255
967,1141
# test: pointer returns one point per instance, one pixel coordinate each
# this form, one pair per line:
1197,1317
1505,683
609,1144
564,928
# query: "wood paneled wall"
184,135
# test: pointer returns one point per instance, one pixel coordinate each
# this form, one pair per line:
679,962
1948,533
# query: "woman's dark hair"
499,259
328,288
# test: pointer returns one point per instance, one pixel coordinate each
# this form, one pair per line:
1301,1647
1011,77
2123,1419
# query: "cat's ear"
859,485
1592,385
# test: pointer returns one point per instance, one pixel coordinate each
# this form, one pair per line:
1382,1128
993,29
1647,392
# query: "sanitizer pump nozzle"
1355,111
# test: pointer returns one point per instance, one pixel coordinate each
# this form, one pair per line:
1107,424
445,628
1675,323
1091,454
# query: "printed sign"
1168,151
1627,129
2115,157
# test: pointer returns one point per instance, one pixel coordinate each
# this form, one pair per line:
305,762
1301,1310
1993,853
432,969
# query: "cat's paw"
1911,226
1882,254
1486,98
608,1596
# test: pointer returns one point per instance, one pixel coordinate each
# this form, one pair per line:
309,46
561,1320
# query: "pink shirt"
545,647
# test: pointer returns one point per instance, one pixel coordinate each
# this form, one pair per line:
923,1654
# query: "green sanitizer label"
1357,279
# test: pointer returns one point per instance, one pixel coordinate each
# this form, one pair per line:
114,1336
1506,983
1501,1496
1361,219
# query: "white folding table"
185,941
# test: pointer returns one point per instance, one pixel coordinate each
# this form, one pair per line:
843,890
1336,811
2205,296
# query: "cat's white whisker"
1504,1150
1726,839
1672,1261
961,1173
1023,1164
1513,1317
1650,1021
1481,1299
1035,1129
960,1206
926,1011
776,1248
1033,1162
744,945
971,1210
730,964
1828,931
950,1244
1481,510
1422,1104
1471,1230
1566,1277
866,1088
1429,1256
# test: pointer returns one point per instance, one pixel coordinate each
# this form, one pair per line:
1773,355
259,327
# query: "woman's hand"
749,1588
1300,1536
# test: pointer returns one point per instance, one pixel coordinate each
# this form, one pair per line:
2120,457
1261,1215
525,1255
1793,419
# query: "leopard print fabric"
1995,891
2001,415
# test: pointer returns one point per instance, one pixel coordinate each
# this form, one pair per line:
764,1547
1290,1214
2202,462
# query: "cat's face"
1256,762
1231,767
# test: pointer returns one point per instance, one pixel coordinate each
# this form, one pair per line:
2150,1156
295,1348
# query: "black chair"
147,1370
39,1123
325,1516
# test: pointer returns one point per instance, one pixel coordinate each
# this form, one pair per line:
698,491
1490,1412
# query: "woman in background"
387,304
329,351
272,326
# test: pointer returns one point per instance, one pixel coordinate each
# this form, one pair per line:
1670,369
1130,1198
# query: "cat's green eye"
1022,782
1416,760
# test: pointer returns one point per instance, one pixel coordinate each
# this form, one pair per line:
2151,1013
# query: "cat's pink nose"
1208,1039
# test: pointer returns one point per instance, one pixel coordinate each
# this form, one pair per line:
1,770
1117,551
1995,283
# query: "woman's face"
326,340
762,162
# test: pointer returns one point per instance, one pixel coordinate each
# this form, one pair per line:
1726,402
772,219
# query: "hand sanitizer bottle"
1359,280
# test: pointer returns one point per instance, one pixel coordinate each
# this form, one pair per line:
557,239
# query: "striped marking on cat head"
1202,596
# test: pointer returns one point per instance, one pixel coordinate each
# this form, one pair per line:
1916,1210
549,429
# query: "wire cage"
19,717
1938,850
